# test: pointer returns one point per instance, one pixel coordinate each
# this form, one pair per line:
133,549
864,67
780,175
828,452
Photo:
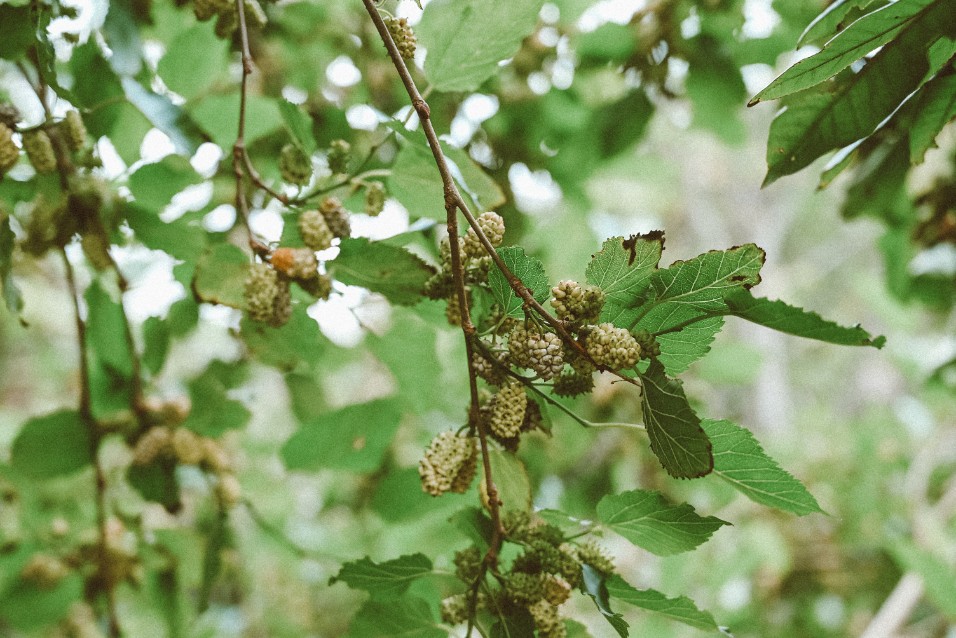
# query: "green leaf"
528,269
934,108
405,617
354,438
857,40
466,39
383,268
739,460
681,609
674,430
178,238
157,483
833,20
52,445
780,316
218,116
11,293
213,412
297,343
194,59
387,580
17,32
937,575
154,185
106,329
820,120
622,268
164,115
156,340
220,276
27,607
595,586
692,289
648,520
682,348
474,524
511,479
299,125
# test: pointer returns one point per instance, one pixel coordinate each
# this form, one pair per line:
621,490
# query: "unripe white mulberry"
507,410
454,609
39,150
9,153
572,384
592,554
374,199
73,130
294,165
576,303
612,347
493,227
338,157
449,464
319,286
542,352
268,298
402,35
228,490
214,457
314,230
44,571
556,590
155,443
494,374
336,217
187,446
296,263
547,620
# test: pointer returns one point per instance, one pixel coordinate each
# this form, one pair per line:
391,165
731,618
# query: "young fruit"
403,36
336,217
39,150
268,299
73,130
9,153
374,199
493,226
340,152
612,347
449,464
577,304
295,263
294,165
507,410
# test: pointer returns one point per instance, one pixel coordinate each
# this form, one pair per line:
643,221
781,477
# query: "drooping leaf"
511,479
11,293
475,524
783,317
220,276
857,40
740,460
407,617
106,329
354,438
937,575
383,268
467,39
622,268
934,108
674,430
832,20
595,585
822,119
34,456
156,340
299,125
692,289
681,609
648,520
213,412
299,343
528,269
154,185
389,579
193,61
682,348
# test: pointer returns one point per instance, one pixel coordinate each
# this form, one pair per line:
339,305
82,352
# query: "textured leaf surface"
935,107
820,120
648,520
405,617
35,455
796,321
690,289
297,343
388,579
682,348
383,268
511,479
299,125
154,185
194,60
595,586
833,19
178,238
622,268
220,276
681,609
674,430
857,40
739,460
354,438
466,39
527,269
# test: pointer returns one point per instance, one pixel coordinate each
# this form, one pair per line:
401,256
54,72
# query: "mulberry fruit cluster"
374,199
39,150
542,352
295,263
403,36
612,347
507,409
294,165
9,153
338,157
267,295
336,217
449,464
577,304
73,130
493,227
314,230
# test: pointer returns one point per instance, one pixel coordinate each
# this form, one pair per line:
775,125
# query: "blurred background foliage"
613,118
